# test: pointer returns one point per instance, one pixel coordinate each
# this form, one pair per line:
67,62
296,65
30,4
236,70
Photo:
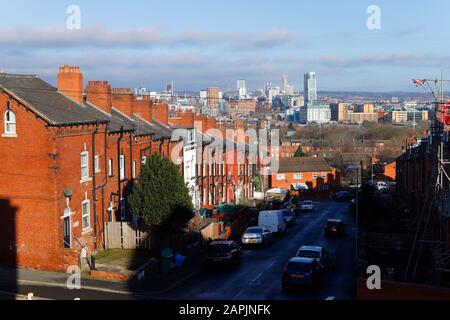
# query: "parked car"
334,227
307,205
257,235
301,272
318,253
288,216
344,196
225,253
272,220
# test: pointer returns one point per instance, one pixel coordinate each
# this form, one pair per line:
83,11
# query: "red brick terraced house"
315,173
71,155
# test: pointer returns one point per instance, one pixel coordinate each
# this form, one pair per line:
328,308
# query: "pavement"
53,285
257,278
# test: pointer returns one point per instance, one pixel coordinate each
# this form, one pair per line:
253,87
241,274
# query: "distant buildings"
338,112
315,112
241,88
310,87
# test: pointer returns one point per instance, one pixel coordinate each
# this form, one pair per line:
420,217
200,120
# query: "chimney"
187,119
143,107
98,93
122,100
161,112
70,82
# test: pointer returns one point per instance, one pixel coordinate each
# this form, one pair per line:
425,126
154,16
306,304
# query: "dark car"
301,272
344,196
334,227
226,253
288,216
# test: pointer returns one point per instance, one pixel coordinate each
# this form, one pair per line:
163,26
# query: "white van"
272,220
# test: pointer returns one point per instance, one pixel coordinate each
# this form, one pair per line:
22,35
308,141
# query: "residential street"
259,275
257,278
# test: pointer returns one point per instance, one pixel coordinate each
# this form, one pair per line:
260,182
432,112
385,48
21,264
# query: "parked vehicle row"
309,265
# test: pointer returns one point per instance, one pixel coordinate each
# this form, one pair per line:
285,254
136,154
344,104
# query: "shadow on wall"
8,259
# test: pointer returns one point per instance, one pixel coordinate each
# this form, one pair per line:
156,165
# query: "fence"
120,235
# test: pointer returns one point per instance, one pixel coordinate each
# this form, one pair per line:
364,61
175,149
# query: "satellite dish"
68,193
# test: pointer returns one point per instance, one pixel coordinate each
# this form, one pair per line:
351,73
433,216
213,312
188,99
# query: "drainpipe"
94,196
105,181
118,169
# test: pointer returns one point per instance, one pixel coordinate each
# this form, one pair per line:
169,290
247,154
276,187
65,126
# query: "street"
258,277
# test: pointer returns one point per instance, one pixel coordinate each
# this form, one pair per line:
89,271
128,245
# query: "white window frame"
281,177
97,164
111,167
323,175
298,176
11,123
134,169
87,214
122,167
315,175
144,160
84,175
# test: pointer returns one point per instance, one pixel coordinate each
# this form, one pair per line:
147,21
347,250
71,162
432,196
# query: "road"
257,278
259,275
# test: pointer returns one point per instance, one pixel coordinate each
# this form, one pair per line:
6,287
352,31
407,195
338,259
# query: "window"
298,176
314,175
97,164
122,167
86,214
134,168
10,123
110,167
281,177
323,175
84,166
67,229
144,160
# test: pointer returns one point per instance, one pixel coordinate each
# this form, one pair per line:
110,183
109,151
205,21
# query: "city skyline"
258,43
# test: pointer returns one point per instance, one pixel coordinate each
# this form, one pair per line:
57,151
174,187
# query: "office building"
310,87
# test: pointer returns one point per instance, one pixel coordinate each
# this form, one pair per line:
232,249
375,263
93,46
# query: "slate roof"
44,100
288,165
356,158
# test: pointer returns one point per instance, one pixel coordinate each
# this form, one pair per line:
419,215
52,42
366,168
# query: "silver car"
256,236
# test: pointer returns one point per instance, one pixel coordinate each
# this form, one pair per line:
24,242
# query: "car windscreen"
254,230
333,224
307,203
298,267
309,254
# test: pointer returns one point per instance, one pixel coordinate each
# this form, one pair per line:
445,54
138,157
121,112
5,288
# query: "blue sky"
203,43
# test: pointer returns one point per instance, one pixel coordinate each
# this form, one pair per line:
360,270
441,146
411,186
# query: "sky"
198,43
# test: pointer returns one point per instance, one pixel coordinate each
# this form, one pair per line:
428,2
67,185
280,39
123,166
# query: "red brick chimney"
98,93
123,100
161,112
70,82
143,107
186,119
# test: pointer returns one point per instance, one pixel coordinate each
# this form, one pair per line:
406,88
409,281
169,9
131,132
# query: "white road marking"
254,280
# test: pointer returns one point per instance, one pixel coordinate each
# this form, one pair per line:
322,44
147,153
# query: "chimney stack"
123,100
98,93
70,82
